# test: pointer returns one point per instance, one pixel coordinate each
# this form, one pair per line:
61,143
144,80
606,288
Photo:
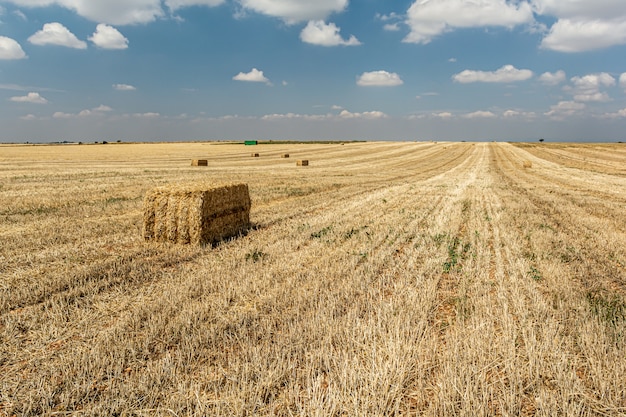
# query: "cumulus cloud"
372,115
254,76
10,49
506,74
578,35
620,114
124,87
116,12
178,4
588,87
293,11
583,25
97,111
428,18
550,78
481,114
30,98
56,34
379,79
516,113
565,109
103,108
288,116
622,81
442,115
317,32
107,37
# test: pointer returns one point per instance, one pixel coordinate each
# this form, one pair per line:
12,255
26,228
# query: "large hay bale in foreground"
196,213
199,163
303,163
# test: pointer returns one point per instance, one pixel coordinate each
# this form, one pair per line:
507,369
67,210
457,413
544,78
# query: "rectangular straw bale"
196,213
302,163
199,163
528,164
285,155
255,155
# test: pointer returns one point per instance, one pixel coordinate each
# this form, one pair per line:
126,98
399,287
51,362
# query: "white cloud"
583,25
577,35
287,116
20,14
506,74
516,113
481,114
178,4
550,78
107,37
622,80
565,109
379,79
56,34
620,114
588,87
116,12
428,18
254,76
149,115
293,11
391,27
317,32
392,20
452,60
30,98
10,49
442,115
103,108
97,111
345,114
124,87
29,117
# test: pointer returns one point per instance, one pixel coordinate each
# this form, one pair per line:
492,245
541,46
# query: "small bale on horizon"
285,155
199,163
196,213
528,164
302,163
255,155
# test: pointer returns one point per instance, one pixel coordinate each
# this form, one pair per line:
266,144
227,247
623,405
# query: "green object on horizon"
251,142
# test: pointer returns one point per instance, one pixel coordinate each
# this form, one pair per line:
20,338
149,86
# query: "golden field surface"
434,279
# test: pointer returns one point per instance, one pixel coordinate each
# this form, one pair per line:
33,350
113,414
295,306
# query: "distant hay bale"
528,164
302,163
199,163
285,155
255,155
196,213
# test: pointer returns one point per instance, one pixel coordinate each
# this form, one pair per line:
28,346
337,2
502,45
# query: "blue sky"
96,70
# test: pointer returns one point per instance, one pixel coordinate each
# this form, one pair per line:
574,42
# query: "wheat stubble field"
384,279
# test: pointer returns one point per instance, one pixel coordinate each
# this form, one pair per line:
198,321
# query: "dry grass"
387,279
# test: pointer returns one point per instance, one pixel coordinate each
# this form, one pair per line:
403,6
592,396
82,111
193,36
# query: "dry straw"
196,213
199,163
303,163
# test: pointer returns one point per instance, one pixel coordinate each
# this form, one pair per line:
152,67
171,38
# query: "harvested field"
385,279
